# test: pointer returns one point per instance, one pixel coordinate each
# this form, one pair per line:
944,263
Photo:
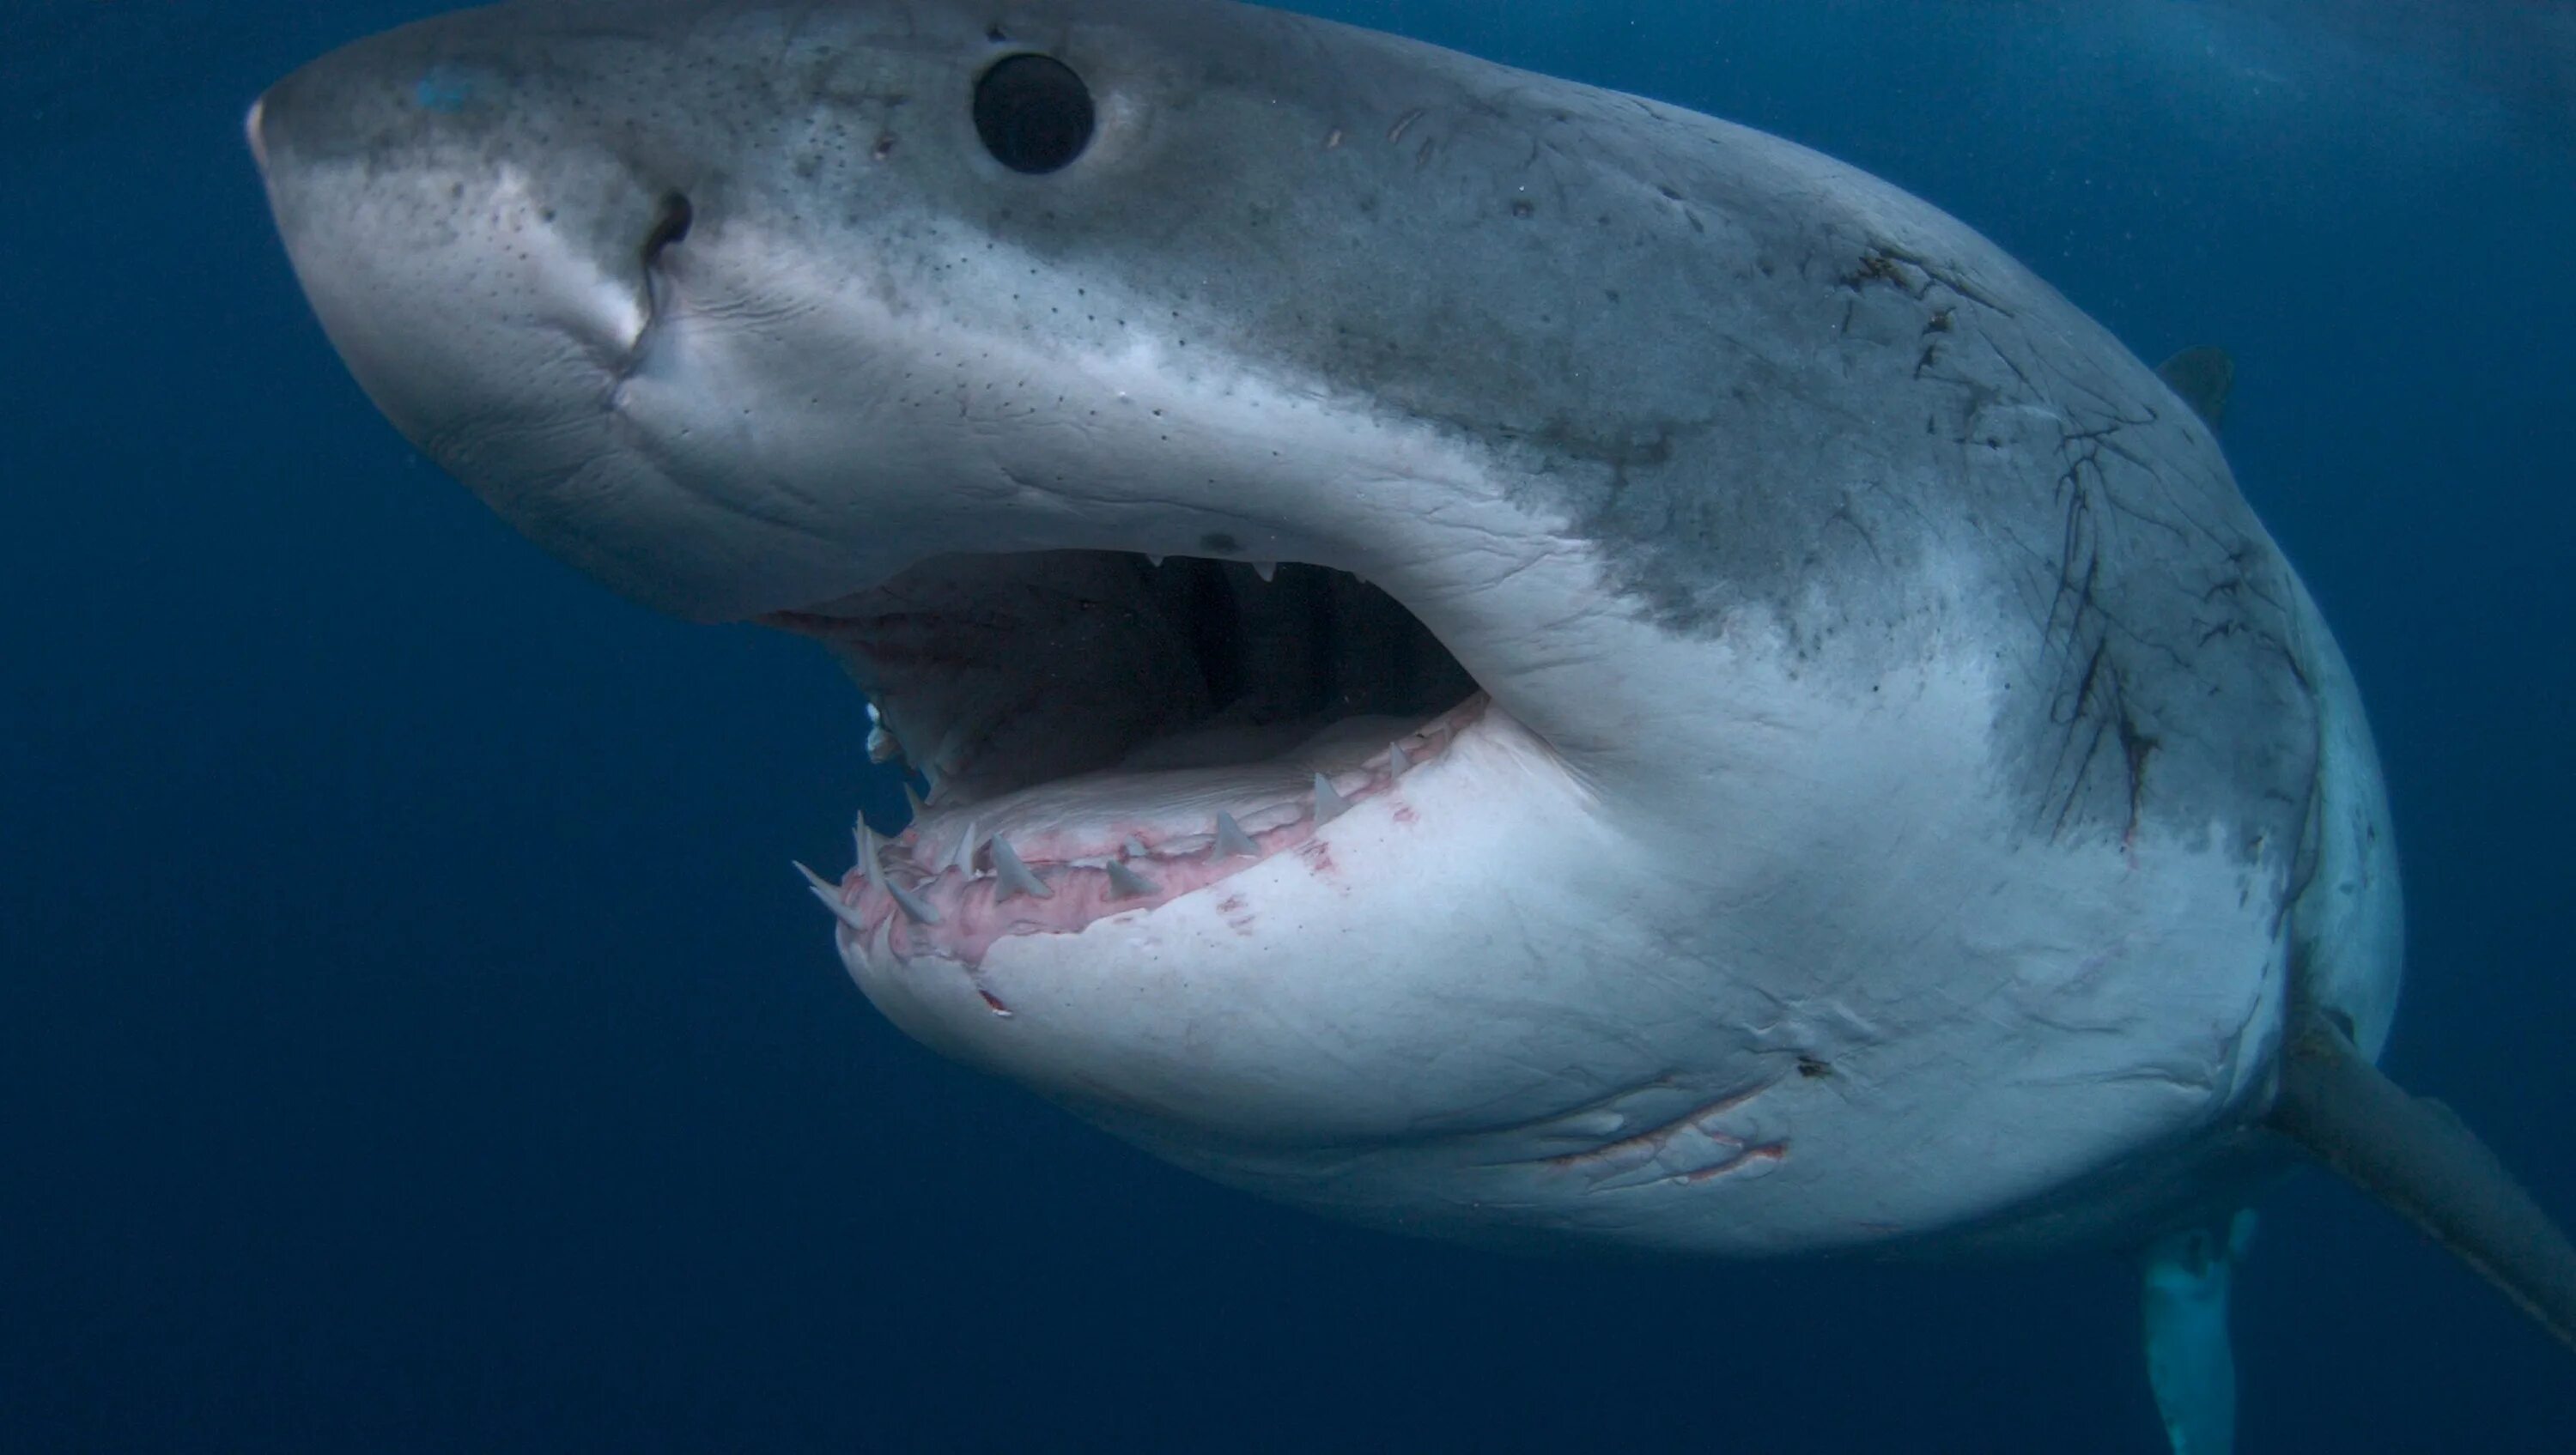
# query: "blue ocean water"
412,1037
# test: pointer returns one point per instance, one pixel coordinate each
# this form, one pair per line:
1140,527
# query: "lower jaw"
1057,857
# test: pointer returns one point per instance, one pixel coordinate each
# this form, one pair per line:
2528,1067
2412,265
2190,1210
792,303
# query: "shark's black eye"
1033,113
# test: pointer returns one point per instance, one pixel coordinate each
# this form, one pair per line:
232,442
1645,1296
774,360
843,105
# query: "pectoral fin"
2203,376
2418,1158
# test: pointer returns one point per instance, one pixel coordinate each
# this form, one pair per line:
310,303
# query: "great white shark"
1493,657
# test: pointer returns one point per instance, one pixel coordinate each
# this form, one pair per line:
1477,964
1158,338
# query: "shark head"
1494,657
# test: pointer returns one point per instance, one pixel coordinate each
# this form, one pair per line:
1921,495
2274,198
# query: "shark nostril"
670,226
671,222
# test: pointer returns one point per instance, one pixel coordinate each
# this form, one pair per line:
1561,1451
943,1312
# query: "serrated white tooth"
830,893
882,747
1153,560
913,797
941,763
1328,804
881,953
867,842
1396,762
1266,570
914,907
1129,883
966,846
1135,847
1232,841
1017,877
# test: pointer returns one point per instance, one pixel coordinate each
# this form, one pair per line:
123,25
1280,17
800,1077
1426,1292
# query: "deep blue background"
411,1036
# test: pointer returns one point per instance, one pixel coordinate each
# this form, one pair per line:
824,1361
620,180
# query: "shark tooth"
882,747
866,839
881,953
1396,762
965,856
1017,877
914,907
1232,841
1265,569
1129,883
830,893
1328,804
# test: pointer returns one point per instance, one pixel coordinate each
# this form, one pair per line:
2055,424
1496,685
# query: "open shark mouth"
1104,732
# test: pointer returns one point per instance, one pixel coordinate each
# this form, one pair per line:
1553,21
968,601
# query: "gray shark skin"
1497,658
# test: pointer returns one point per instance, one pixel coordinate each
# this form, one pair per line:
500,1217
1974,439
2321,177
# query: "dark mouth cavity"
990,674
